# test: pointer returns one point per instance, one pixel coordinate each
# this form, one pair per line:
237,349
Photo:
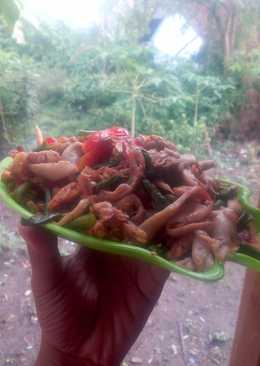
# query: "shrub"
18,93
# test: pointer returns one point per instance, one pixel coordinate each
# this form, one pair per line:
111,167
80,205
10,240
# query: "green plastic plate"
215,273
247,256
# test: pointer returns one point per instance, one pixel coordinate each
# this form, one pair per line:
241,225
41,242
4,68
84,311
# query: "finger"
45,258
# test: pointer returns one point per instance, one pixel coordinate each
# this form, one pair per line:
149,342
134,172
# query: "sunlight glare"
173,35
76,13
170,38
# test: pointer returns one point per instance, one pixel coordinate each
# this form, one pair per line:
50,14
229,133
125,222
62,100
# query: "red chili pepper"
50,140
99,145
116,132
98,149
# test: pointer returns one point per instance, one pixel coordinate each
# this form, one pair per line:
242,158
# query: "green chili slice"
21,191
159,200
109,184
83,223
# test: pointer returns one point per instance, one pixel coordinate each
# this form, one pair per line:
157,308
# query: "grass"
56,120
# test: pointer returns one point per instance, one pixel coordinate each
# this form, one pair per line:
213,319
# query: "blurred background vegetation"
65,80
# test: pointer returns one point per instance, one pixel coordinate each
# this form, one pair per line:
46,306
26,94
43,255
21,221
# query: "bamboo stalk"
133,120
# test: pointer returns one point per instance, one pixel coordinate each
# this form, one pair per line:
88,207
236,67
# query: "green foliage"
9,12
121,83
50,45
245,64
18,99
66,80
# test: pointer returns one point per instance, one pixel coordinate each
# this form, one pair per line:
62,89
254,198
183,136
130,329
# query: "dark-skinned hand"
91,306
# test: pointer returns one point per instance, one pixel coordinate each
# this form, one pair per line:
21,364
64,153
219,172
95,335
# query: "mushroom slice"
54,171
73,152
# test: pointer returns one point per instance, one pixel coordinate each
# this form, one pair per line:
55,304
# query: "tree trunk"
4,143
133,119
230,32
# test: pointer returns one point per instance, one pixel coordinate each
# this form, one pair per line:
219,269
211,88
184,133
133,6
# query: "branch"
142,107
133,119
186,45
196,108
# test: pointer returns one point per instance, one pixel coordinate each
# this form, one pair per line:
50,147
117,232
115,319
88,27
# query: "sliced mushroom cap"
186,160
207,164
45,156
155,223
54,171
73,152
225,231
78,211
201,255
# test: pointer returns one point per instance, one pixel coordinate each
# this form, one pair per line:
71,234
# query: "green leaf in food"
20,192
110,163
159,200
109,184
148,164
226,191
244,194
83,223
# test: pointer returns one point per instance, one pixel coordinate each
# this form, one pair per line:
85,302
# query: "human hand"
91,306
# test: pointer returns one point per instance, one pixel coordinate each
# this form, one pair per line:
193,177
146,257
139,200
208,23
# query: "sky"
170,37
76,13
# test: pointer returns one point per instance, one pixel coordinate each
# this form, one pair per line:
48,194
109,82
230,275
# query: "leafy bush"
245,68
51,85
18,93
124,84
74,83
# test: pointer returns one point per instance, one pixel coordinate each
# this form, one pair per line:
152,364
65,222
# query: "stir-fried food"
133,190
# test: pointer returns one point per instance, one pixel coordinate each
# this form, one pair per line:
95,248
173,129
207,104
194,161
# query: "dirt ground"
192,325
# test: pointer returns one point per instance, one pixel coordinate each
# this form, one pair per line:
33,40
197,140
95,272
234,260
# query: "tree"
10,12
225,25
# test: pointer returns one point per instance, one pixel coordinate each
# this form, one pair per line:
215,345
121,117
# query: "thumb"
45,258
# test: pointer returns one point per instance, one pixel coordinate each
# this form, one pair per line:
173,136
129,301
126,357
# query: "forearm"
49,356
246,343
